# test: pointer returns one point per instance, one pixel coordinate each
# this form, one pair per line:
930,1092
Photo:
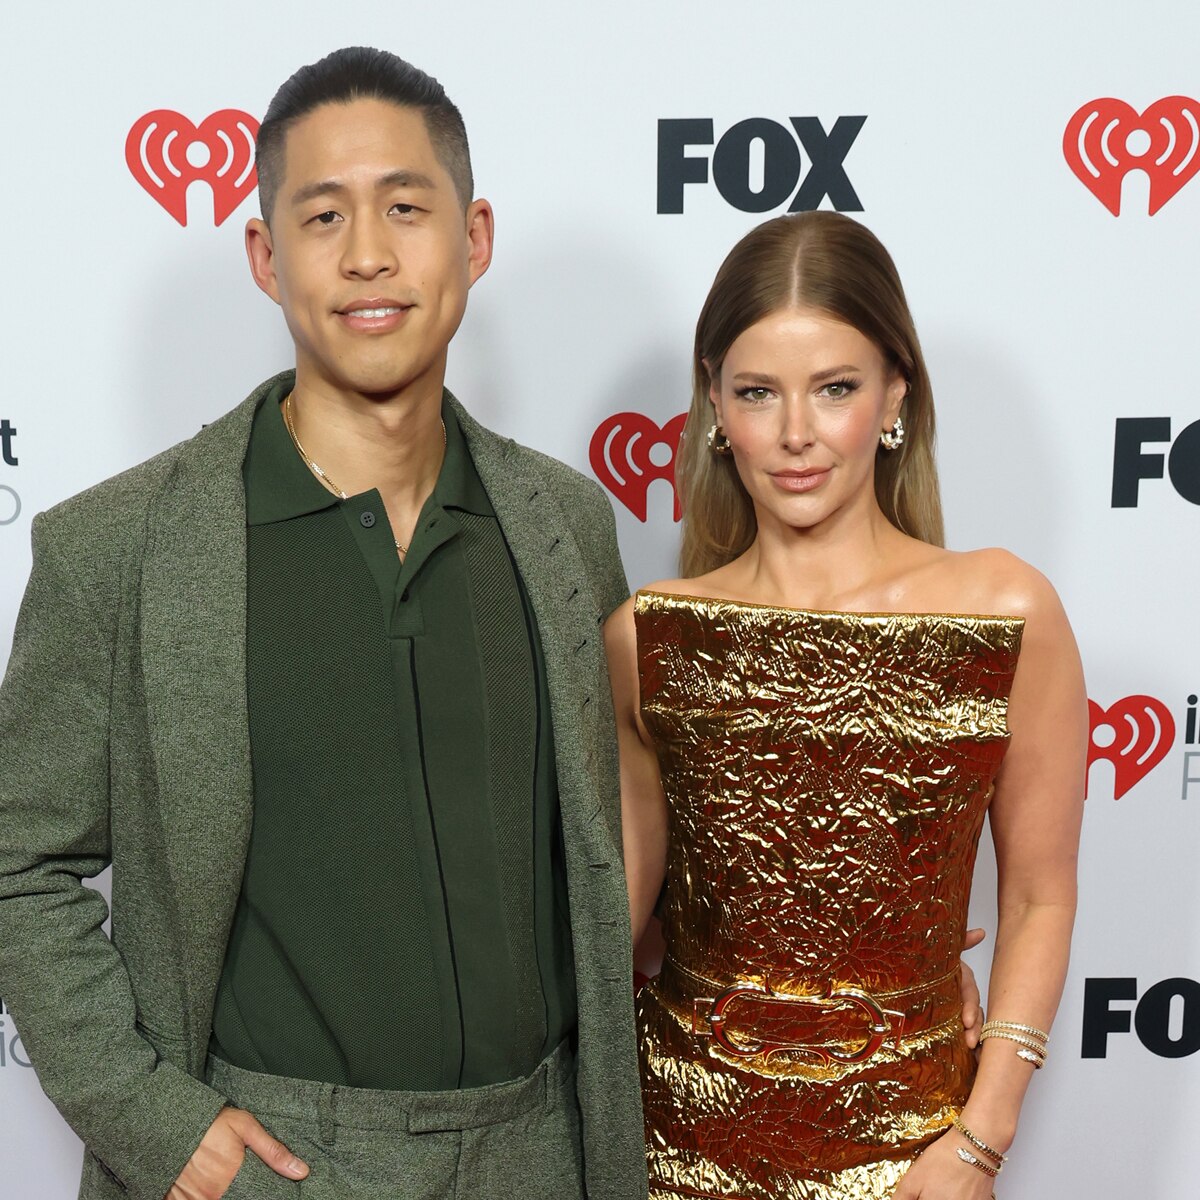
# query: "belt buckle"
878,1029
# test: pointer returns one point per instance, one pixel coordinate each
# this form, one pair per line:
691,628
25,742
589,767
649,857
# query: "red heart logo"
1096,145
620,454
166,152
1143,732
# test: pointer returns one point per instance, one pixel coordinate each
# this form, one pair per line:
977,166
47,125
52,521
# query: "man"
325,685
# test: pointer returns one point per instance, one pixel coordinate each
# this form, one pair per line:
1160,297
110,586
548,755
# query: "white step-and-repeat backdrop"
1030,165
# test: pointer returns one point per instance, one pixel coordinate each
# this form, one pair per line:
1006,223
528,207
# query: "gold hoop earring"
718,443
893,439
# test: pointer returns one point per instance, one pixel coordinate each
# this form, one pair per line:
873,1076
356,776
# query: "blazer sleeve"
603,552
64,981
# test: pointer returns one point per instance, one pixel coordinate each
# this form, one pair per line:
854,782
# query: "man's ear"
481,232
260,251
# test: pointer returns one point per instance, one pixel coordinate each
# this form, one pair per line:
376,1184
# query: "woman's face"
803,398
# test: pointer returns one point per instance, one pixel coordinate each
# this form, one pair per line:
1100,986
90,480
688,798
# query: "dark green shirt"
403,915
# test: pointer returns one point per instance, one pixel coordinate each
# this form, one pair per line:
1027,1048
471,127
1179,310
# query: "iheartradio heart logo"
623,451
1134,735
1106,139
166,153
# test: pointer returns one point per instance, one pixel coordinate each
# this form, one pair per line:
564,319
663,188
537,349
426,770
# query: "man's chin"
380,381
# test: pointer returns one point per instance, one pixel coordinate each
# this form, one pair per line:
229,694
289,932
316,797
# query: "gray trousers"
508,1140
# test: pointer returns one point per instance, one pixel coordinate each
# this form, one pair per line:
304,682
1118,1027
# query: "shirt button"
366,519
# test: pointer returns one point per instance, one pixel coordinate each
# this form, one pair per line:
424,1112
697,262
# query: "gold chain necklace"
319,471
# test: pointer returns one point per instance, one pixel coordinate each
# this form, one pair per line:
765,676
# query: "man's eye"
326,218
404,209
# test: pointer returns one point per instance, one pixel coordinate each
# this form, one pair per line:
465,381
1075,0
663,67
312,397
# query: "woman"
813,724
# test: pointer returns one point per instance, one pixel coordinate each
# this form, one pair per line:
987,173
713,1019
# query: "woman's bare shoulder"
995,581
707,587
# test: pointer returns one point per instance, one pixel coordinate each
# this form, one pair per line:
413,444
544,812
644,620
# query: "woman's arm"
1035,816
643,806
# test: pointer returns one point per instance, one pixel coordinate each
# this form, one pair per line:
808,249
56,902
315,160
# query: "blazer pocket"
170,1047
100,1181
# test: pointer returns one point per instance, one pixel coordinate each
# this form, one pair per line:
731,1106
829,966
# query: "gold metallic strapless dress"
827,776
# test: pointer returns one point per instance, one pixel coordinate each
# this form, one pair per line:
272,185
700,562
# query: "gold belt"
843,1024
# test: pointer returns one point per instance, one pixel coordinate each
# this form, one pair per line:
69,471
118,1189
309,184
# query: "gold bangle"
977,1163
977,1142
1017,1027
1031,1047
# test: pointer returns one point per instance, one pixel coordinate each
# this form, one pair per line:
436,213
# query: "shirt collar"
280,486
278,483
458,484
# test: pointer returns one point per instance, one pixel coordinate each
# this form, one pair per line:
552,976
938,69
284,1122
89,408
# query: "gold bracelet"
1019,1038
1018,1027
978,1143
1033,1052
978,1163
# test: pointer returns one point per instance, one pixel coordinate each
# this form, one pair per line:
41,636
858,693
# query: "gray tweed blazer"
124,739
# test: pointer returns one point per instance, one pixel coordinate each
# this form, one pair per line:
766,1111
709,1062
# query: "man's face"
369,252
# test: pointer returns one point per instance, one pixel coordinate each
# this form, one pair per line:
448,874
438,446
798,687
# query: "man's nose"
369,252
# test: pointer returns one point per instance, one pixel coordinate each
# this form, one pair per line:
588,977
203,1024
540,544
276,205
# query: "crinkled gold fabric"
827,776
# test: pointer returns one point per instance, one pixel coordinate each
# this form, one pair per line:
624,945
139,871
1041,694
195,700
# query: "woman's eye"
839,389
756,395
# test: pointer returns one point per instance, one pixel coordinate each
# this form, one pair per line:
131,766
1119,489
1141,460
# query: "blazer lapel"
553,570
193,647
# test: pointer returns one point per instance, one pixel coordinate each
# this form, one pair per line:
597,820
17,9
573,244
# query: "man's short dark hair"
361,73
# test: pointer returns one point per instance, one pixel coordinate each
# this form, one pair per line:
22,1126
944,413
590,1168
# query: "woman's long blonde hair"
829,262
